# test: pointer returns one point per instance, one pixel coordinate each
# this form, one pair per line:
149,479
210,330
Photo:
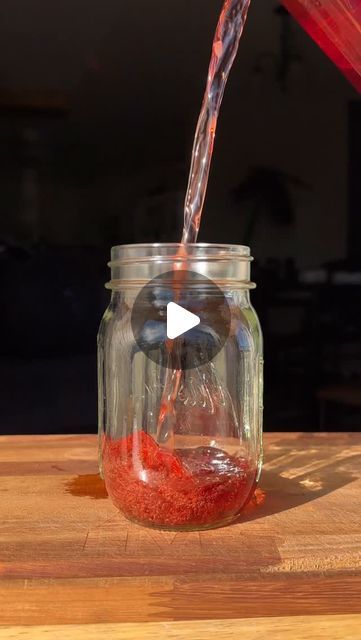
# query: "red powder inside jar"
201,486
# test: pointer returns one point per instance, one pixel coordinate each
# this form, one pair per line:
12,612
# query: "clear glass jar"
203,470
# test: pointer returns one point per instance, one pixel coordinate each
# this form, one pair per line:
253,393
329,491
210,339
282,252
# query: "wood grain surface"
67,556
300,627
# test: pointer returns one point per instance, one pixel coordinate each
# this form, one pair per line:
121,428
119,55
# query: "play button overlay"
181,319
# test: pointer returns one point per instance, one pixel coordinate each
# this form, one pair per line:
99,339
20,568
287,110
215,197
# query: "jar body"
203,470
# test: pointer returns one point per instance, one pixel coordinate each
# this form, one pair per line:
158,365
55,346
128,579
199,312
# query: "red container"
336,27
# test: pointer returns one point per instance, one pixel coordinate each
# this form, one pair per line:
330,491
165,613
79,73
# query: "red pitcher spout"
336,27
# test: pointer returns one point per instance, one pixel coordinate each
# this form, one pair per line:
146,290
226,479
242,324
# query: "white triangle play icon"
179,320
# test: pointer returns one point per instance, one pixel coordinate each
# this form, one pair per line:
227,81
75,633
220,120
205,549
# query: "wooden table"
289,569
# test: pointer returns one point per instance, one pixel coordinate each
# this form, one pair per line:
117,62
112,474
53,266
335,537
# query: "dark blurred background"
98,106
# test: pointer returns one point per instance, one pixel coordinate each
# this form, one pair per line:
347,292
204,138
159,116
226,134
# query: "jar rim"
139,263
180,244
159,250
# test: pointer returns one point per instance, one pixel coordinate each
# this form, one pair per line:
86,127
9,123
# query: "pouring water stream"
225,45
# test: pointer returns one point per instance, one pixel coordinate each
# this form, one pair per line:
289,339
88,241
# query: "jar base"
225,522
185,528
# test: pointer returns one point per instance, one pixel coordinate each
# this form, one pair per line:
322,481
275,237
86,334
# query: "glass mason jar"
180,448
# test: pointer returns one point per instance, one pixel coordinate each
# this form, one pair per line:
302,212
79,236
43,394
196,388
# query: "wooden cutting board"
67,556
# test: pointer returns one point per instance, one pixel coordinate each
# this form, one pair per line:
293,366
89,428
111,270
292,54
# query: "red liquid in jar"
201,486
